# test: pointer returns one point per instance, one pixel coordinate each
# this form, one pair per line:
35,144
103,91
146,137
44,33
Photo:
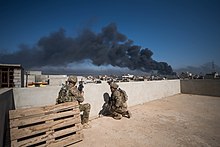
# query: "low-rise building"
11,75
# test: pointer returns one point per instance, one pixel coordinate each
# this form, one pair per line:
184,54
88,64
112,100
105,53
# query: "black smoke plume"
106,48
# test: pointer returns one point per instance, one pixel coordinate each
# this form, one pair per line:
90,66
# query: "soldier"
69,93
118,102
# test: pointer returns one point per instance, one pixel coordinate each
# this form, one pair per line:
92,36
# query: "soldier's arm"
80,98
77,94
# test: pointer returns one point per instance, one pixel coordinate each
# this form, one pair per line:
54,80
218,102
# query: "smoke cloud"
109,47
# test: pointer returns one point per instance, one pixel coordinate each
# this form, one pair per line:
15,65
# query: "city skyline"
179,33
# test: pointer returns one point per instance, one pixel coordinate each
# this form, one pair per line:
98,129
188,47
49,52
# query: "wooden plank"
77,127
68,141
41,110
21,113
49,132
46,137
54,125
41,118
32,130
30,141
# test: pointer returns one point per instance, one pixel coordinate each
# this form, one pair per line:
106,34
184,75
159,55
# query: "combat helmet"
114,85
72,79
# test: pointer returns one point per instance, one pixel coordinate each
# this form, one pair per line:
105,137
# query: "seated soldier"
69,93
118,102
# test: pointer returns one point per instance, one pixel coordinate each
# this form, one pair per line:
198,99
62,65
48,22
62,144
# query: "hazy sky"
179,32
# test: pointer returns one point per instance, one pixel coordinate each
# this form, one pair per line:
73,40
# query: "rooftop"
11,65
179,120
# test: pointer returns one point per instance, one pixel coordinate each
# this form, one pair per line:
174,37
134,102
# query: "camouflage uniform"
117,103
73,94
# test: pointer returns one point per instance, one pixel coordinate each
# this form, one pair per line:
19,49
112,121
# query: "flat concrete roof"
11,65
179,120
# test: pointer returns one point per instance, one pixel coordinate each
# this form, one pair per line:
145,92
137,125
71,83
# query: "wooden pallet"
54,125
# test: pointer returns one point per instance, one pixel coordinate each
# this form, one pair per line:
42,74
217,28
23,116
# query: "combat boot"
127,114
86,126
117,116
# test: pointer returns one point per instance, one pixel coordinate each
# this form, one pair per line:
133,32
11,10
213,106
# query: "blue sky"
179,32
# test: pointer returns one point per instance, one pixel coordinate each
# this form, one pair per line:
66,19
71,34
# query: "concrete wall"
209,87
6,104
18,77
35,96
138,92
57,80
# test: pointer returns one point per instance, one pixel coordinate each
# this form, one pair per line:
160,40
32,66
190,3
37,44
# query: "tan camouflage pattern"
118,106
73,94
114,85
72,79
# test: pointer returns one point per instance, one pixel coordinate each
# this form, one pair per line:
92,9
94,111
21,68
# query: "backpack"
63,94
125,96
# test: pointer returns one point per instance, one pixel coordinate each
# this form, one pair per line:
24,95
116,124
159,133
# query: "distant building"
11,75
128,76
37,79
213,75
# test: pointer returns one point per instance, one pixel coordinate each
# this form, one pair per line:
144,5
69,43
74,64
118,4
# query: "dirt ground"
181,120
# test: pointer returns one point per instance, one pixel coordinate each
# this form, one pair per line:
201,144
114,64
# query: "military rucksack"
63,94
125,96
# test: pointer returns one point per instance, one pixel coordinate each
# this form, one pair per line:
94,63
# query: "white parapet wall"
138,93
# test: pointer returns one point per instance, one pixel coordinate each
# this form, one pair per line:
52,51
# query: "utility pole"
27,73
213,66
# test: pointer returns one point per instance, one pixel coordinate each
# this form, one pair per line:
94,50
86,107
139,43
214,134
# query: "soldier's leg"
124,112
117,113
85,108
121,110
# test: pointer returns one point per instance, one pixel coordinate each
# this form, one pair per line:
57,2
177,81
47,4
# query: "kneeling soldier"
118,102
